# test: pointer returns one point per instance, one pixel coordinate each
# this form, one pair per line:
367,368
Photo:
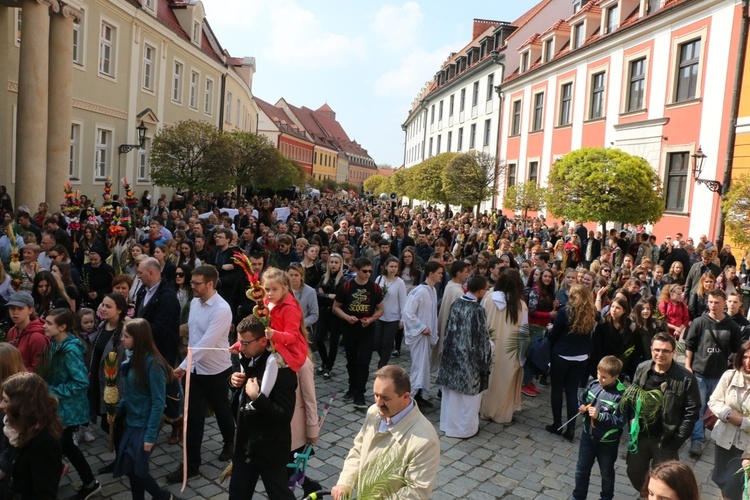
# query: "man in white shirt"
209,322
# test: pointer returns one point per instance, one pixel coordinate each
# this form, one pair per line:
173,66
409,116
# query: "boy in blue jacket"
602,428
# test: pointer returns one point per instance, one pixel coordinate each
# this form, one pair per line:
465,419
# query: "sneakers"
696,449
327,374
320,370
176,476
395,353
349,395
530,390
75,439
226,452
88,434
88,491
361,405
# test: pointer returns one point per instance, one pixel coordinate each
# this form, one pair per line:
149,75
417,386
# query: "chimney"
480,26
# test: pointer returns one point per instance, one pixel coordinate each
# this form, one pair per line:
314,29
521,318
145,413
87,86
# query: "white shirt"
209,324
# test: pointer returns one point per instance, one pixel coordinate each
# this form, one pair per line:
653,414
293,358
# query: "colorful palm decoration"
111,394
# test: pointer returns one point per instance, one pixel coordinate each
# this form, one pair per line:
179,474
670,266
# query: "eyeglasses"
52,256
180,275
366,271
196,283
662,351
245,343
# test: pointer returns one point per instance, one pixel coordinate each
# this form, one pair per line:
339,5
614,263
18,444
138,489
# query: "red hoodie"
32,342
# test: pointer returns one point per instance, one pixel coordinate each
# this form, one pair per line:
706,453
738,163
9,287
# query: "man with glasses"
157,303
659,439
209,323
359,303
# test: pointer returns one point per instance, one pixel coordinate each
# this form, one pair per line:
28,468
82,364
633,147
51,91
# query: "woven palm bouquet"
111,394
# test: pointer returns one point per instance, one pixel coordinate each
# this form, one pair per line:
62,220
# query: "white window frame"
143,165
561,102
611,18
79,42
177,80
515,127
534,126
208,104
148,5
666,153
18,22
195,80
592,72
460,144
112,45
472,136
149,68
490,85
106,149
578,35
74,167
196,36
237,117
677,42
626,77
228,113
528,169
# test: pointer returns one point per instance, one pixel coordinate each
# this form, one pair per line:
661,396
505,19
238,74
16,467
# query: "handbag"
709,419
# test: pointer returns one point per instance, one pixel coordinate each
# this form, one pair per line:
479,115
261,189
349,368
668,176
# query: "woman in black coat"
96,280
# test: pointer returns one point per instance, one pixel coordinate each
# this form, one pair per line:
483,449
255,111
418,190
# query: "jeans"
565,376
358,354
385,332
589,451
205,390
707,387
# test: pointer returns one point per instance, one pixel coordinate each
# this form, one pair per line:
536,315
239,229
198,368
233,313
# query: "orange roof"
560,25
533,40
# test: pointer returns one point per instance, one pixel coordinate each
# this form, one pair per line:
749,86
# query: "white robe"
459,414
420,313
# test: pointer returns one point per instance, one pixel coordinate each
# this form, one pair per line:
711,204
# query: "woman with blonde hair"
698,303
571,343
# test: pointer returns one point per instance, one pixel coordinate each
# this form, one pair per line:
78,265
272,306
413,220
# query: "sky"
367,60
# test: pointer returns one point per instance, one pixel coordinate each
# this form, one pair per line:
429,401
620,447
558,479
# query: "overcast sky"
367,60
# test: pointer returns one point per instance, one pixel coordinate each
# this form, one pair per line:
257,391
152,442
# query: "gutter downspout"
222,101
733,118
499,89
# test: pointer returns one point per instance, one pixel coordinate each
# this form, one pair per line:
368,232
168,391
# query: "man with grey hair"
157,303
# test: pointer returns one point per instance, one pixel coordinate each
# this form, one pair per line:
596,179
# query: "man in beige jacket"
394,426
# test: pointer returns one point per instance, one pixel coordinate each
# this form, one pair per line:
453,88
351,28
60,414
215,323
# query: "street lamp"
127,148
698,160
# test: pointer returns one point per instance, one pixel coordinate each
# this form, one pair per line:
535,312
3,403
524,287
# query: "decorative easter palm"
111,394
379,477
645,405
14,267
521,340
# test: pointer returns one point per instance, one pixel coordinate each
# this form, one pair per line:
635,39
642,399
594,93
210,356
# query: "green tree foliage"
402,182
525,197
290,173
257,161
192,155
603,184
378,184
427,179
470,178
736,207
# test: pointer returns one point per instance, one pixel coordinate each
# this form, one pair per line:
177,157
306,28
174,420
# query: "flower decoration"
111,393
130,199
72,201
107,211
14,267
255,291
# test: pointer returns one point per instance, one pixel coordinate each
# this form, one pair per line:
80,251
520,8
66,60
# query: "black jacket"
264,430
163,314
37,468
408,241
682,403
710,360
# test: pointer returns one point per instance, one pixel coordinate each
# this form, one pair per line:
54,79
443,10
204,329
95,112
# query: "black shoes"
421,401
226,452
349,395
361,405
569,433
108,469
87,492
554,429
176,476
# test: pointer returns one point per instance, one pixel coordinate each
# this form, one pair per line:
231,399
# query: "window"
107,40
460,139
687,76
597,95
525,61
534,171
566,98
636,88
196,32
440,137
78,44
237,119
149,4
472,135
430,154
149,54
548,47
143,161
440,111
511,174
515,127
177,82
19,23
450,104
228,117
194,80
538,122
450,140
102,157
462,104
490,85
677,177
432,114
487,127
578,34
75,150
611,19
208,106
475,94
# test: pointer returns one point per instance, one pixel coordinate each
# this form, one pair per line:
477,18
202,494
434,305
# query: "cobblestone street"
514,461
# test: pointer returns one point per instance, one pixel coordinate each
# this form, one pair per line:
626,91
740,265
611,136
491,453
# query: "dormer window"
577,4
196,32
549,47
612,19
649,6
482,50
579,35
525,61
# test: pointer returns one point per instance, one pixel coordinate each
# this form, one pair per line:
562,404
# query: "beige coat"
732,393
414,436
305,420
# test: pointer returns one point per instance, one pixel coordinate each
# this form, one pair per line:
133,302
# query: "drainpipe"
739,69
498,59
221,101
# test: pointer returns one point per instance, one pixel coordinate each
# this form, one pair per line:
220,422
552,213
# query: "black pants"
385,333
205,390
328,323
71,451
649,454
565,377
399,339
358,354
245,473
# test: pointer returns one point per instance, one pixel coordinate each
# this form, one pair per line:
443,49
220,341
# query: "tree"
256,161
427,179
402,181
603,184
525,197
192,155
736,208
290,173
470,178
378,184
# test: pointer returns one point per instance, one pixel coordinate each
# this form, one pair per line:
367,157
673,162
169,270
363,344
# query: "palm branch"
645,405
226,473
378,478
627,354
521,340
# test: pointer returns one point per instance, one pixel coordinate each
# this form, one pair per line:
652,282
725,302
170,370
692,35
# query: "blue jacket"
143,404
607,428
68,380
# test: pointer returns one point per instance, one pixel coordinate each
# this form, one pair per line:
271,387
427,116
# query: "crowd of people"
495,308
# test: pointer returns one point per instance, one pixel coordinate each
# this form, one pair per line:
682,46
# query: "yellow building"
154,62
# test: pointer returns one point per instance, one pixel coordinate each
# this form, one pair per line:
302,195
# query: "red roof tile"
560,25
282,121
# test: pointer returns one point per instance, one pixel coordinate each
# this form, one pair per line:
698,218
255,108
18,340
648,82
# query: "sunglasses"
180,275
52,256
366,271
